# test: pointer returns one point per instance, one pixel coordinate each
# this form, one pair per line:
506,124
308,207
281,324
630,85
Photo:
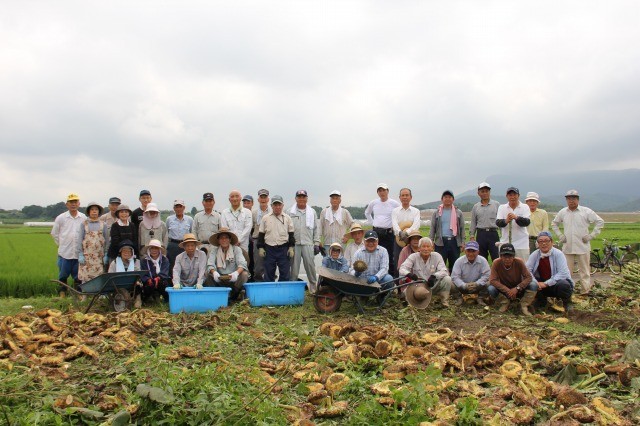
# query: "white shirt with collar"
400,214
65,233
240,222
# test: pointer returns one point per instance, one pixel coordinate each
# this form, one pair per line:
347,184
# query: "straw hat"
406,224
189,238
418,295
153,243
223,231
355,227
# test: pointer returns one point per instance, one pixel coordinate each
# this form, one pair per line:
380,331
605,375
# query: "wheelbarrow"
120,288
333,286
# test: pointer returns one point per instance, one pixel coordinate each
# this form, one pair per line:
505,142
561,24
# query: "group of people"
246,242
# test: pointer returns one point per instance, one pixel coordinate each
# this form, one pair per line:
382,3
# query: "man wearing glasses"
549,268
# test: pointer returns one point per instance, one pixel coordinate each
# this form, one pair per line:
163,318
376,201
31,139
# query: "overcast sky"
107,98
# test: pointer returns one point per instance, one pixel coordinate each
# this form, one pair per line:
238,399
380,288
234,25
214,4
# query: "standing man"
276,242
207,222
247,203
470,275
357,233
178,225
483,228
136,216
334,221
576,237
238,220
109,217
539,219
377,260
65,232
405,219
261,210
513,218
305,225
447,229
378,213
550,270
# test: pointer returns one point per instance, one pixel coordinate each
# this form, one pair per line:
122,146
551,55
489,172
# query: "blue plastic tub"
192,300
275,293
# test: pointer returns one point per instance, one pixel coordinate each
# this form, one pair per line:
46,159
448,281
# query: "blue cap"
247,198
545,234
371,235
145,192
472,245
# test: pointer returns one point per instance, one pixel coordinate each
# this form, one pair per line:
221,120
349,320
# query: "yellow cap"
73,197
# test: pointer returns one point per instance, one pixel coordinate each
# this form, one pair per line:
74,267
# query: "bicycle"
611,259
630,256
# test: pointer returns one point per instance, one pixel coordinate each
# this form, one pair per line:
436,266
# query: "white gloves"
290,252
262,252
198,286
216,276
234,276
176,286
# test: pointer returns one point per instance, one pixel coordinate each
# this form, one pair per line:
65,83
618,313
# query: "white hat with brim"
151,207
532,196
223,231
418,295
153,243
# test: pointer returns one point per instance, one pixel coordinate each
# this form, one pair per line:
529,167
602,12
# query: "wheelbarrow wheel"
327,300
121,300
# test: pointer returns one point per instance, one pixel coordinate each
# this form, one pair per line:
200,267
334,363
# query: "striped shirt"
377,262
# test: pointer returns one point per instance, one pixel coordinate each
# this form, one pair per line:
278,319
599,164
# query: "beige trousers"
584,276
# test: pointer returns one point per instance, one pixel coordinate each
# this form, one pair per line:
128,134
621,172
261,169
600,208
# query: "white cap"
532,196
335,192
484,185
383,186
572,193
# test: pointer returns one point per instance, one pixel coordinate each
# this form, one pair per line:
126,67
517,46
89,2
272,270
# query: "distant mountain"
601,190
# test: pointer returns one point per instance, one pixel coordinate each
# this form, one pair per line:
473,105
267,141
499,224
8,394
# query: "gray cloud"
109,98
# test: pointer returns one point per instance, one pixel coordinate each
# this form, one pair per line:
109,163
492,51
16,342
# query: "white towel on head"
331,217
311,217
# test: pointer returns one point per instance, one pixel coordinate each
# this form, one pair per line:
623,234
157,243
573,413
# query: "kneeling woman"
226,266
156,267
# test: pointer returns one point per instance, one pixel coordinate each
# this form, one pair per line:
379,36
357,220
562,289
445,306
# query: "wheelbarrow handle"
67,286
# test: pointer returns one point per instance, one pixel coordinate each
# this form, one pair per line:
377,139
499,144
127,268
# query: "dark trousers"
396,255
251,264
386,239
277,258
450,251
155,289
173,250
66,268
561,290
487,241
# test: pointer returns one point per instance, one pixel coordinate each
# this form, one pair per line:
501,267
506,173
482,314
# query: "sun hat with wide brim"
418,295
223,231
122,207
354,228
403,225
94,204
153,243
151,207
189,238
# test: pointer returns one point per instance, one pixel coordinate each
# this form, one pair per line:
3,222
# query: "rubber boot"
137,303
526,300
568,306
481,296
444,298
502,302
456,295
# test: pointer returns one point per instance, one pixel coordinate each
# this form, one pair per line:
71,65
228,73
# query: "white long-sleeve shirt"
519,234
65,233
378,212
400,214
240,222
576,227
